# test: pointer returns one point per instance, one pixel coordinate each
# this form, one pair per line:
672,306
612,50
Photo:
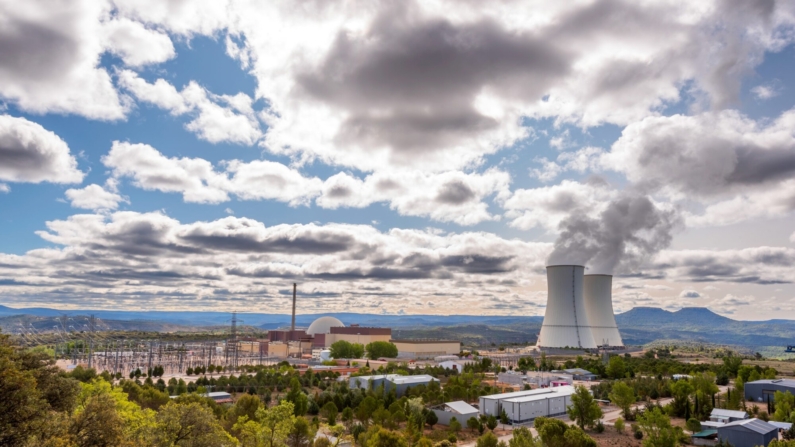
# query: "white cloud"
93,197
137,45
584,160
449,196
736,167
766,91
546,207
31,153
792,237
4,188
235,122
141,258
195,178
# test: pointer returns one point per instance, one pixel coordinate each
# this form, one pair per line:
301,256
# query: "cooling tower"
566,319
597,291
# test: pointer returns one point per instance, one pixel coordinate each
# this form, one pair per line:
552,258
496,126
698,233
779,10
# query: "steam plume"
629,231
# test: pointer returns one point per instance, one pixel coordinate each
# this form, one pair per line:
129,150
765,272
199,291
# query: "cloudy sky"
395,156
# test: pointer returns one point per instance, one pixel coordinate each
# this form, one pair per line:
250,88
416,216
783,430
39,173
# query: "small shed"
748,433
459,410
705,437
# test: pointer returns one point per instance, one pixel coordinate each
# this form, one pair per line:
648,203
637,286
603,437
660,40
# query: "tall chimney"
292,325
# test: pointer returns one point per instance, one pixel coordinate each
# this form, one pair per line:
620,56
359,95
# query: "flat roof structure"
557,391
726,414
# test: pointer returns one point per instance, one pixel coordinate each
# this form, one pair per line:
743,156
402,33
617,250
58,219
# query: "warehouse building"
748,433
525,406
537,379
426,349
764,390
399,383
725,416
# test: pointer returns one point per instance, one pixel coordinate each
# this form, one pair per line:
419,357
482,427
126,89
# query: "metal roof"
756,425
579,371
782,382
461,407
781,425
705,433
720,412
218,394
518,393
558,391
401,380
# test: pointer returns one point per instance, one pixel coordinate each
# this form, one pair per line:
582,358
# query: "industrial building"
524,406
396,382
762,390
459,410
579,374
565,319
579,312
748,433
720,415
598,296
425,349
537,379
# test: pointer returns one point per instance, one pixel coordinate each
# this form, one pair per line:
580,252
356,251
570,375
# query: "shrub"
599,427
619,424
694,425
638,435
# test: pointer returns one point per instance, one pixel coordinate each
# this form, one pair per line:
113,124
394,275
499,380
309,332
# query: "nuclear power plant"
579,311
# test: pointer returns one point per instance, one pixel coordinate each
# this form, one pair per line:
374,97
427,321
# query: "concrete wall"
363,339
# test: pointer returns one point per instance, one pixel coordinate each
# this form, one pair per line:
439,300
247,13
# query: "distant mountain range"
639,326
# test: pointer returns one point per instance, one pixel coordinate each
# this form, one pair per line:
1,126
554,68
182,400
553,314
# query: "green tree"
455,426
693,425
431,418
785,407
487,440
616,369
342,349
329,411
246,406
301,434
386,438
556,433
366,409
623,396
381,349
657,429
270,428
98,423
189,424
491,422
681,391
523,437
584,410
473,423
298,398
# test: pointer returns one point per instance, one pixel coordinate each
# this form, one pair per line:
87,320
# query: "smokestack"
566,319
598,294
292,324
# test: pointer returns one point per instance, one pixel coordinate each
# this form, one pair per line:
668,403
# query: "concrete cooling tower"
597,291
566,319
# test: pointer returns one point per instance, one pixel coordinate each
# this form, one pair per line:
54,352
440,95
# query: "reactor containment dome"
598,294
566,322
323,325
